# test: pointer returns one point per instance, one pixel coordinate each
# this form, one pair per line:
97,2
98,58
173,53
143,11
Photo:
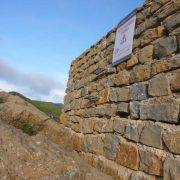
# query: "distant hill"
51,109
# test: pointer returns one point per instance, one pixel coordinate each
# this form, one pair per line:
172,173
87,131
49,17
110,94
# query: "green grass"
48,108
1,100
27,128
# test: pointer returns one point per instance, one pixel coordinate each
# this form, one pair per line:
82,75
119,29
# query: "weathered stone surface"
152,135
123,109
140,73
122,78
119,94
88,126
103,96
119,124
160,109
175,81
93,144
133,131
102,125
111,144
172,21
138,92
165,65
172,141
159,86
164,47
134,110
138,175
172,169
146,54
150,163
132,61
25,157
175,32
128,156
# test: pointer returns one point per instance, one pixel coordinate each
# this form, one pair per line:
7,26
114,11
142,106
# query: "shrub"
1,100
27,128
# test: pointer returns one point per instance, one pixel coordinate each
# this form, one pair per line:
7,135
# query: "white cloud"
33,85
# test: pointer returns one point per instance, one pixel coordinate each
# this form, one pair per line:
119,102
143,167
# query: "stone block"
140,73
160,109
102,125
159,86
133,131
111,144
172,141
175,81
103,96
138,92
132,61
138,175
146,54
166,65
119,94
119,125
122,78
88,126
172,21
123,109
172,169
93,144
152,135
150,163
165,46
134,108
128,156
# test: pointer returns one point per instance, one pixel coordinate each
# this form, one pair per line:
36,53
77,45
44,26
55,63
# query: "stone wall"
125,119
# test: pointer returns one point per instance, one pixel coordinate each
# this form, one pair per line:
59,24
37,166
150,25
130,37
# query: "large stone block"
123,109
102,125
175,81
119,94
172,141
166,65
134,108
165,46
132,61
151,163
122,78
88,126
119,125
111,144
172,169
172,21
93,144
133,131
152,135
146,54
160,109
128,156
159,86
138,92
140,73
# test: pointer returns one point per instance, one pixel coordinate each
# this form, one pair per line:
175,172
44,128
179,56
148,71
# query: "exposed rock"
24,157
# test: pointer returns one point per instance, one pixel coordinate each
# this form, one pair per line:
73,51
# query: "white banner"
124,39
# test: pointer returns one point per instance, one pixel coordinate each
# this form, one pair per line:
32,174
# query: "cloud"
34,85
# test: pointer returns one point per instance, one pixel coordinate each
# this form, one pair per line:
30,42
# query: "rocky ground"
35,157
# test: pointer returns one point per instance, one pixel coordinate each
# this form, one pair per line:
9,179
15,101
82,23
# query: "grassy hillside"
51,109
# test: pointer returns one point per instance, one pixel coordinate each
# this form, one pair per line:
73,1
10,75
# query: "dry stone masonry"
124,119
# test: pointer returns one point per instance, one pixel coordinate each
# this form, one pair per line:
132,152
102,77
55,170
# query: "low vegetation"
1,100
26,127
51,109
